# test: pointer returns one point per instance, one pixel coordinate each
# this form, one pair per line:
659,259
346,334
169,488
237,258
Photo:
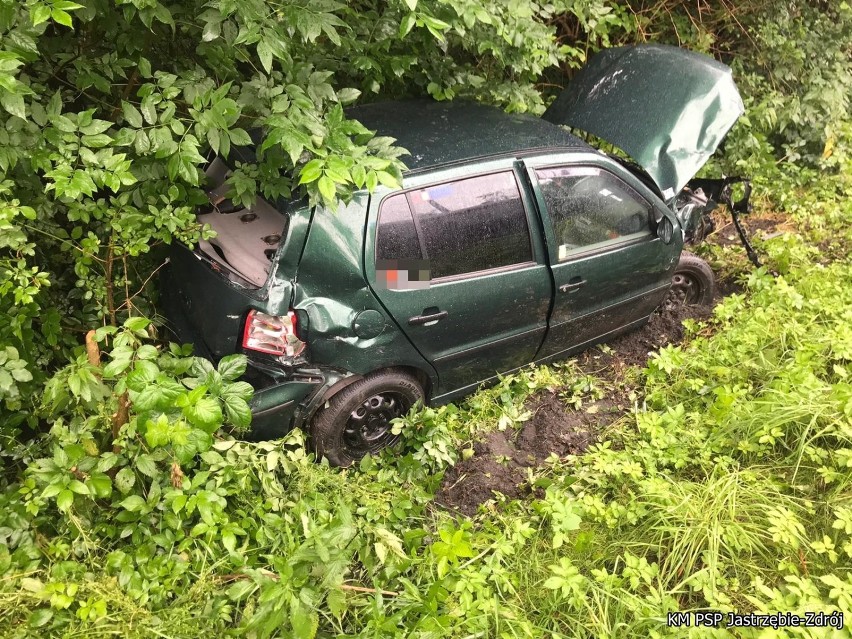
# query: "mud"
763,226
501,459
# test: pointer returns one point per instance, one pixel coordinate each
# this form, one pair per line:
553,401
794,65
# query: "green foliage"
127,505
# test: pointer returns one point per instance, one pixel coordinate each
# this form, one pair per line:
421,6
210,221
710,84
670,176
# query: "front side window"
591,209
469,225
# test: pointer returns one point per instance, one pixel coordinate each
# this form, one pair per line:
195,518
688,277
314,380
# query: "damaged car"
510,241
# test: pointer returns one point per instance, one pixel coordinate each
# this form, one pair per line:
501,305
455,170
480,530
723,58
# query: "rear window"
396,238
460,227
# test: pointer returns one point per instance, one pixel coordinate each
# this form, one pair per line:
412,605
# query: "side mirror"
665,230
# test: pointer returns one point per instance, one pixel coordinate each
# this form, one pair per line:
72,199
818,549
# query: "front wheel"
693,283
357,420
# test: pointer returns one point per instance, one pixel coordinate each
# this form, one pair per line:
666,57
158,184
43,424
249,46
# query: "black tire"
355,421
693,283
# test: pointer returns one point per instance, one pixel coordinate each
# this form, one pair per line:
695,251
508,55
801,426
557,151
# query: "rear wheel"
693,283
357,420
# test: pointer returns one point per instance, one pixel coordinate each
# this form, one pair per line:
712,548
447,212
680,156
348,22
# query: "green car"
511,241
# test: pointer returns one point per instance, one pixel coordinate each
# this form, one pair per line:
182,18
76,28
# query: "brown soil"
765,226
500,460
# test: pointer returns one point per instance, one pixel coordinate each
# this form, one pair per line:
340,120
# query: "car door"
610,270
457,266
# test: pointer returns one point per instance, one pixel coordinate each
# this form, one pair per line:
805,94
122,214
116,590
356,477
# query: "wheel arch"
420,375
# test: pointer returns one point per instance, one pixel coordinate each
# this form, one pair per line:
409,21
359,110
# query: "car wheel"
693,283
357,420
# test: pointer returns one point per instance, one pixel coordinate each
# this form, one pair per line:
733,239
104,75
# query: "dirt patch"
501,458
633,349
765,226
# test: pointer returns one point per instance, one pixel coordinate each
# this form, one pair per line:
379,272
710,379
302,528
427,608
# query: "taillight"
272,334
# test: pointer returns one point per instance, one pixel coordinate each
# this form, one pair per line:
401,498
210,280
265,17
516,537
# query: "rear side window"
396,237
462,227
591,209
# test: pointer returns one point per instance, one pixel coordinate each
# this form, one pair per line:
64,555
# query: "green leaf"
124,480
303,621
232,366
144,67
554,583
311,172
345,96
14,104
372,181
64,500
146,465
101,485
411,4
238,389
326,188
359,175
265,55
239,137
157,433
63,123
407,24
39,617
40,14
141,142
78,487
149,109
147,351
133,503
116,366
211,31
237,411
95,127
137,324
97,141
205,413
178,503
61,17
387,179
213,140
131,114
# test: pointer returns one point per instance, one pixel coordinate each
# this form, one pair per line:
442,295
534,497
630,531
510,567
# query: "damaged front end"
700,197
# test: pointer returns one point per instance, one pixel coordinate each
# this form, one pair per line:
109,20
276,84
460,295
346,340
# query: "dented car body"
511,241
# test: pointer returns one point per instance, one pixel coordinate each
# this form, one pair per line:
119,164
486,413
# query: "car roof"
440,133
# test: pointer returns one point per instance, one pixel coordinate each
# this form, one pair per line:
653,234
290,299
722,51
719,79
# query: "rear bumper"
276,401
281,401
274,409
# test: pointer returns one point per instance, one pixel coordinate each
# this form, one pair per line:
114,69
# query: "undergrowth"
728,487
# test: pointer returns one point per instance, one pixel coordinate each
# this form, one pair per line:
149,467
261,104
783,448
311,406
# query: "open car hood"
667,107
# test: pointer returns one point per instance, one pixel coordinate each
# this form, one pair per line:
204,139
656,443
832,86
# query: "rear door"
457,265
609,268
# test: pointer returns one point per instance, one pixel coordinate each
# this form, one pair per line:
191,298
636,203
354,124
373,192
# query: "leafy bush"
128,505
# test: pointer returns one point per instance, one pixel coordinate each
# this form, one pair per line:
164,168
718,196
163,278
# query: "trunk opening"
247,239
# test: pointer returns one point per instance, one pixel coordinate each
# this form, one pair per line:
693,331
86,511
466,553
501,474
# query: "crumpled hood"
667,107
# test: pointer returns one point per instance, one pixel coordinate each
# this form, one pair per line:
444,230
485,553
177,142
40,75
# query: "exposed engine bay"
700,197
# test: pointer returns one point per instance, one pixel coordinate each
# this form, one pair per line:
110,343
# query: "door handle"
427,320
572,285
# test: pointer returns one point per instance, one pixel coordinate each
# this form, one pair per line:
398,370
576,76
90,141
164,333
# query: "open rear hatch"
247,239
212,287
667,107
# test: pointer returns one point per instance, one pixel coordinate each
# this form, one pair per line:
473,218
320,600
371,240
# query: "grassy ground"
724,484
